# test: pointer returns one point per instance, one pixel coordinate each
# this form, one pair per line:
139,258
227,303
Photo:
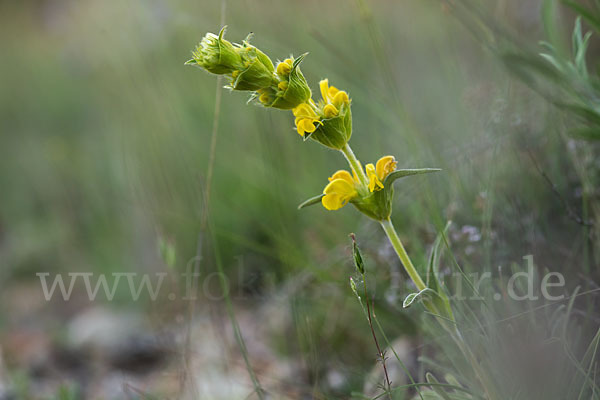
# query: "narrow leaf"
411,298
401,173
593,20
437,389
298,60
434,261
311,201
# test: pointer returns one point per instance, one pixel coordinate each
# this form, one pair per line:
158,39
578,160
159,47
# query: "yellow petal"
329,111
340,186
283,85
342,174
374,182
264,98
340,98
385,165
284,68
306,125
337,193
324,86
304,110
332,92
332,202
299,127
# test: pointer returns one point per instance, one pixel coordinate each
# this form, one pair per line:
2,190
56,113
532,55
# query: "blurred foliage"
105,142
553,68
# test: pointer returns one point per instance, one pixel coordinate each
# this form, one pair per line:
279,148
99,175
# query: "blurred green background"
106,134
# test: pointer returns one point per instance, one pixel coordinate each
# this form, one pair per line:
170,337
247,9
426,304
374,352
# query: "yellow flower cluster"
309,115
306,118
343,186
333,99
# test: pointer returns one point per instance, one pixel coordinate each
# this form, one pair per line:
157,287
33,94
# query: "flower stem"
355,164
402,254
390,231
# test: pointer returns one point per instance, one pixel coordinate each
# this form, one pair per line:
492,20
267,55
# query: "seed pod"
358,260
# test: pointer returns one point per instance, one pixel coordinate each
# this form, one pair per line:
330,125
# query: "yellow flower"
339,191
377,173
285,67
305,118
385,166
345,175
283,85
329,111
333,98
374,181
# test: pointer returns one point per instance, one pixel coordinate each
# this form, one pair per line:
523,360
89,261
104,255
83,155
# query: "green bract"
216,55
293,89
334,132
257,71
377,204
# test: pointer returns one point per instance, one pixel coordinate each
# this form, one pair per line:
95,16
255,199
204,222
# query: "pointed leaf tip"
411,298
298,60
401,173
311,201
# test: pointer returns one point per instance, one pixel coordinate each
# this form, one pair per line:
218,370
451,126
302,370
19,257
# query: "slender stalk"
355,164
260,392
402,254
204,226
380,353
452,330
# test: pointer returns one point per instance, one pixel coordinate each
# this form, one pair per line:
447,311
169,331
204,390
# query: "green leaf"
524,65
298,60
411,298
434,262
591,19
311,201
386,196
437,389
552,60
441,301
550,21
401,173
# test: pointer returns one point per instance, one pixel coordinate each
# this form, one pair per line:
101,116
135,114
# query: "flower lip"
285,67
305,118
385,166
339,191
374,181
337,194
332,95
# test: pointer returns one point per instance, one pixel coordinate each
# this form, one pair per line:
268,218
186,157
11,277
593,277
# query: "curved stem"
390,231
402,254
355,164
